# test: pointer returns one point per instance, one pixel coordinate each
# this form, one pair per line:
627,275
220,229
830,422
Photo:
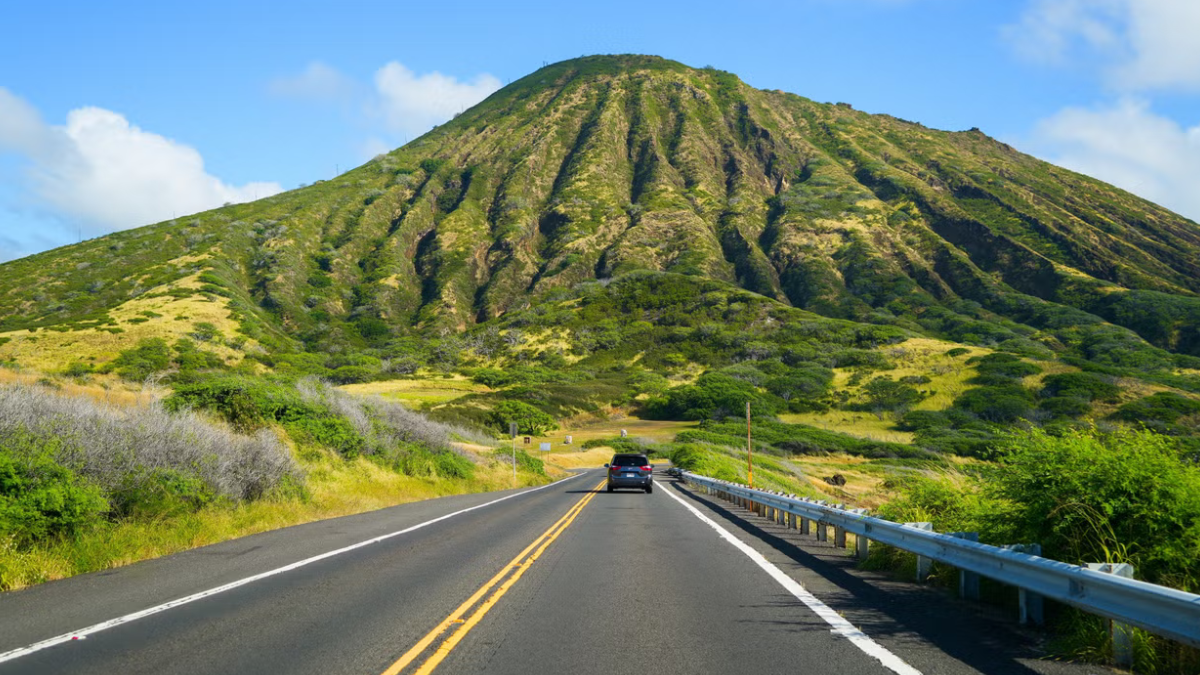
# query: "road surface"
562,579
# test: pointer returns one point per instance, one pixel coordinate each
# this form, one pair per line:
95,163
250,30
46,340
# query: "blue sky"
117,114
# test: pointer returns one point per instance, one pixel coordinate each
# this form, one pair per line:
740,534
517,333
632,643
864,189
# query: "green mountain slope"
594,168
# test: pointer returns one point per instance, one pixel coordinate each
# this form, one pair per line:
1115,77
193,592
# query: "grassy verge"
336,487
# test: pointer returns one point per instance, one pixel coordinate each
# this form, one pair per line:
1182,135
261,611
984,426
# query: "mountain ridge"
595,167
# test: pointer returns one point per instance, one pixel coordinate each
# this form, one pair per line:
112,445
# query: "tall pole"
749,450
512,431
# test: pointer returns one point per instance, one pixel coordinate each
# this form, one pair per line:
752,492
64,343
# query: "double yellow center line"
456,626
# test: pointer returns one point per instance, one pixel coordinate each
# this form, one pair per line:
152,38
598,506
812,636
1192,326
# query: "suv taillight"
647,468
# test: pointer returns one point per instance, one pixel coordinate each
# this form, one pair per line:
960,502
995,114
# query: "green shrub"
525,462
998,404
714,396
529,419
492,377
1090,496
454,466
160,493
327,430
1086,386
352,374
1163,407
1065,406
246,403
79,369
148,357
1001,369
40,498
204,332
884,393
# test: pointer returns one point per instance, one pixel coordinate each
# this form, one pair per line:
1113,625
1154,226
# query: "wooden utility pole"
749,448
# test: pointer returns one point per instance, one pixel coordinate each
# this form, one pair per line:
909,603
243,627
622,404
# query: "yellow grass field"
51,351
420,392
661,431
918,356
108,389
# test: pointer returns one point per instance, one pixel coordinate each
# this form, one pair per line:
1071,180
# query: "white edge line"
112,623
840,625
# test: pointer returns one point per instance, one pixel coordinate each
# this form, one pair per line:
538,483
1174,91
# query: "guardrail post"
805,525
862,545
968,582
924,565
1031,608
1122,634
822,531
839,537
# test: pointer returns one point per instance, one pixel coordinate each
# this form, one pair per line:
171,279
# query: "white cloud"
1130,146
109,174
412,104
318,82
1141,44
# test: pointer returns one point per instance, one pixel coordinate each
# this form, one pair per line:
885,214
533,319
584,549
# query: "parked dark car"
630,471
675,472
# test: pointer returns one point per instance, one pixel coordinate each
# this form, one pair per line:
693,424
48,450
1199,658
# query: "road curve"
564,579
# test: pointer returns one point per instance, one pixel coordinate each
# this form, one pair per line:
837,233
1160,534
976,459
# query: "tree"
529,419
884,393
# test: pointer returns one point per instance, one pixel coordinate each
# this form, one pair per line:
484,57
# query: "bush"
1163,408
1091,496
422,463
998,404
714,396
153,355
160,493
1065,406
352,374
78,369
327,430
884,393
492,377
41,498
529,419
1001,369
150,356
108,446
1086,386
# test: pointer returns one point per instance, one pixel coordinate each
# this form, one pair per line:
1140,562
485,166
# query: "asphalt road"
565,579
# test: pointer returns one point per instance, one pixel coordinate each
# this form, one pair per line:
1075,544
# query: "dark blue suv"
630,471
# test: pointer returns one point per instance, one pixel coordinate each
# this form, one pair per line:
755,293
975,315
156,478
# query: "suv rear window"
629,460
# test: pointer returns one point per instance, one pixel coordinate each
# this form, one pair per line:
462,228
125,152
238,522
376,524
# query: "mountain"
595,168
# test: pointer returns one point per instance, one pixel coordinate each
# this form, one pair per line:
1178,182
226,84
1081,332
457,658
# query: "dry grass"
50,351
107,389
585,459
854,423
656,430
918,356
419,392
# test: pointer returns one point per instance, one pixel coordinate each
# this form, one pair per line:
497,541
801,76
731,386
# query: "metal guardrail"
1164,611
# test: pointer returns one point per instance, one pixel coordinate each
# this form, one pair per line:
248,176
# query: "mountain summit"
596,167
